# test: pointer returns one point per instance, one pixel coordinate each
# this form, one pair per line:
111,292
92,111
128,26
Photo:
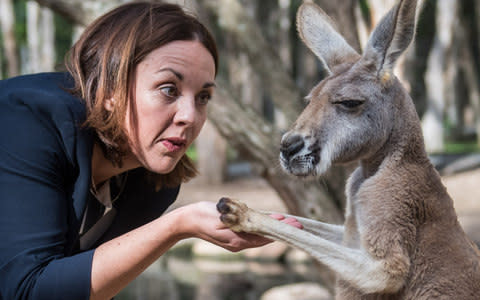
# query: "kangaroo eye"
350,103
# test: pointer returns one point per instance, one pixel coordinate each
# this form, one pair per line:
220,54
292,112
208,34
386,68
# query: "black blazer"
45,171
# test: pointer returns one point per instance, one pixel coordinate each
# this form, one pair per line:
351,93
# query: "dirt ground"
464,188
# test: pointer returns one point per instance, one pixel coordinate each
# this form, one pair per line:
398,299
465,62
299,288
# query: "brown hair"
103,61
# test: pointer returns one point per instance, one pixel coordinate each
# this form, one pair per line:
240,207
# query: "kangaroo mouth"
301,165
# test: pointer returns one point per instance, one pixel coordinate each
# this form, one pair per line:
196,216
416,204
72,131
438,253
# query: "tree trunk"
466,63
211,155
275,21
437,77
80,11
40,38
460,73
265,61
363,29
1,62
47,45
477,110
477,18
33,37
7,22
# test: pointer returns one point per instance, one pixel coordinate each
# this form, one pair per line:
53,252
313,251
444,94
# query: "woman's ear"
109,104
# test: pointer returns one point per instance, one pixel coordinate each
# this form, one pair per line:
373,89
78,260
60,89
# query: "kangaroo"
401,238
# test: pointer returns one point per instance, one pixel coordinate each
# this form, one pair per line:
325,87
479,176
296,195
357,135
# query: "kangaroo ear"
318,32
392,36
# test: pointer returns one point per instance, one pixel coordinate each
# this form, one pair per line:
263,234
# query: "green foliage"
461,147
192,153
365,9
456,143
232,154
19,7
2,59
63,37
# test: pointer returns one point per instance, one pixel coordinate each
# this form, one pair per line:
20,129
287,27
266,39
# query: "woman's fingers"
277,216
290,220
294,222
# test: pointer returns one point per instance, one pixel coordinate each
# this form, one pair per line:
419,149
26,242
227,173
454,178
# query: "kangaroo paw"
234,214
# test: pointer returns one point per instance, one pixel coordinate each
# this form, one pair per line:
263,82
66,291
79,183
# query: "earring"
109,104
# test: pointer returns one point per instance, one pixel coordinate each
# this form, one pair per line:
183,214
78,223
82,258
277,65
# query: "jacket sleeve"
35,201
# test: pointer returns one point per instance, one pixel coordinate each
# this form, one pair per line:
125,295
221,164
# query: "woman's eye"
204,98
169,91
350,104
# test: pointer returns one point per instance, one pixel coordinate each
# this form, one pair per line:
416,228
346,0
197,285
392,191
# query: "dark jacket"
45,175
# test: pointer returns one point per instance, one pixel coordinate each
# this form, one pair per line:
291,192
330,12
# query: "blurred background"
265,71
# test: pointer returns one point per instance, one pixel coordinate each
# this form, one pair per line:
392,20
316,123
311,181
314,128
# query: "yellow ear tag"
385,78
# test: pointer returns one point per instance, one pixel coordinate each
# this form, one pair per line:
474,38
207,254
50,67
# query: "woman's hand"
118,261
290,220
202,220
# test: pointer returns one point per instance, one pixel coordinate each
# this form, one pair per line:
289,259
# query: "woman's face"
172,87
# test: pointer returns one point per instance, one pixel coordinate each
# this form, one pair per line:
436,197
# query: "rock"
298,291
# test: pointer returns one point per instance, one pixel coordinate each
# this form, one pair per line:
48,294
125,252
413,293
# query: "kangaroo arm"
330,232
356,266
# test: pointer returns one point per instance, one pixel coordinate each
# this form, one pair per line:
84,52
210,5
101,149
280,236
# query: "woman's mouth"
174,144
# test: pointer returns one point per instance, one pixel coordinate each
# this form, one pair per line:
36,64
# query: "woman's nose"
186,111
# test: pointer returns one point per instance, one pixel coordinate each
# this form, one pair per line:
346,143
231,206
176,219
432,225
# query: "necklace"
123,180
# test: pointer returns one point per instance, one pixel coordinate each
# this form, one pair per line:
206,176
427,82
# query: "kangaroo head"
352,112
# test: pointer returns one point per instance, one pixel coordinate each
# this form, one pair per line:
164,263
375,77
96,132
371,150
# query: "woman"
89,160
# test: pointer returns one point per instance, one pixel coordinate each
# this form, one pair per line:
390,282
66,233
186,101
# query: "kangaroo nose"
291,145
